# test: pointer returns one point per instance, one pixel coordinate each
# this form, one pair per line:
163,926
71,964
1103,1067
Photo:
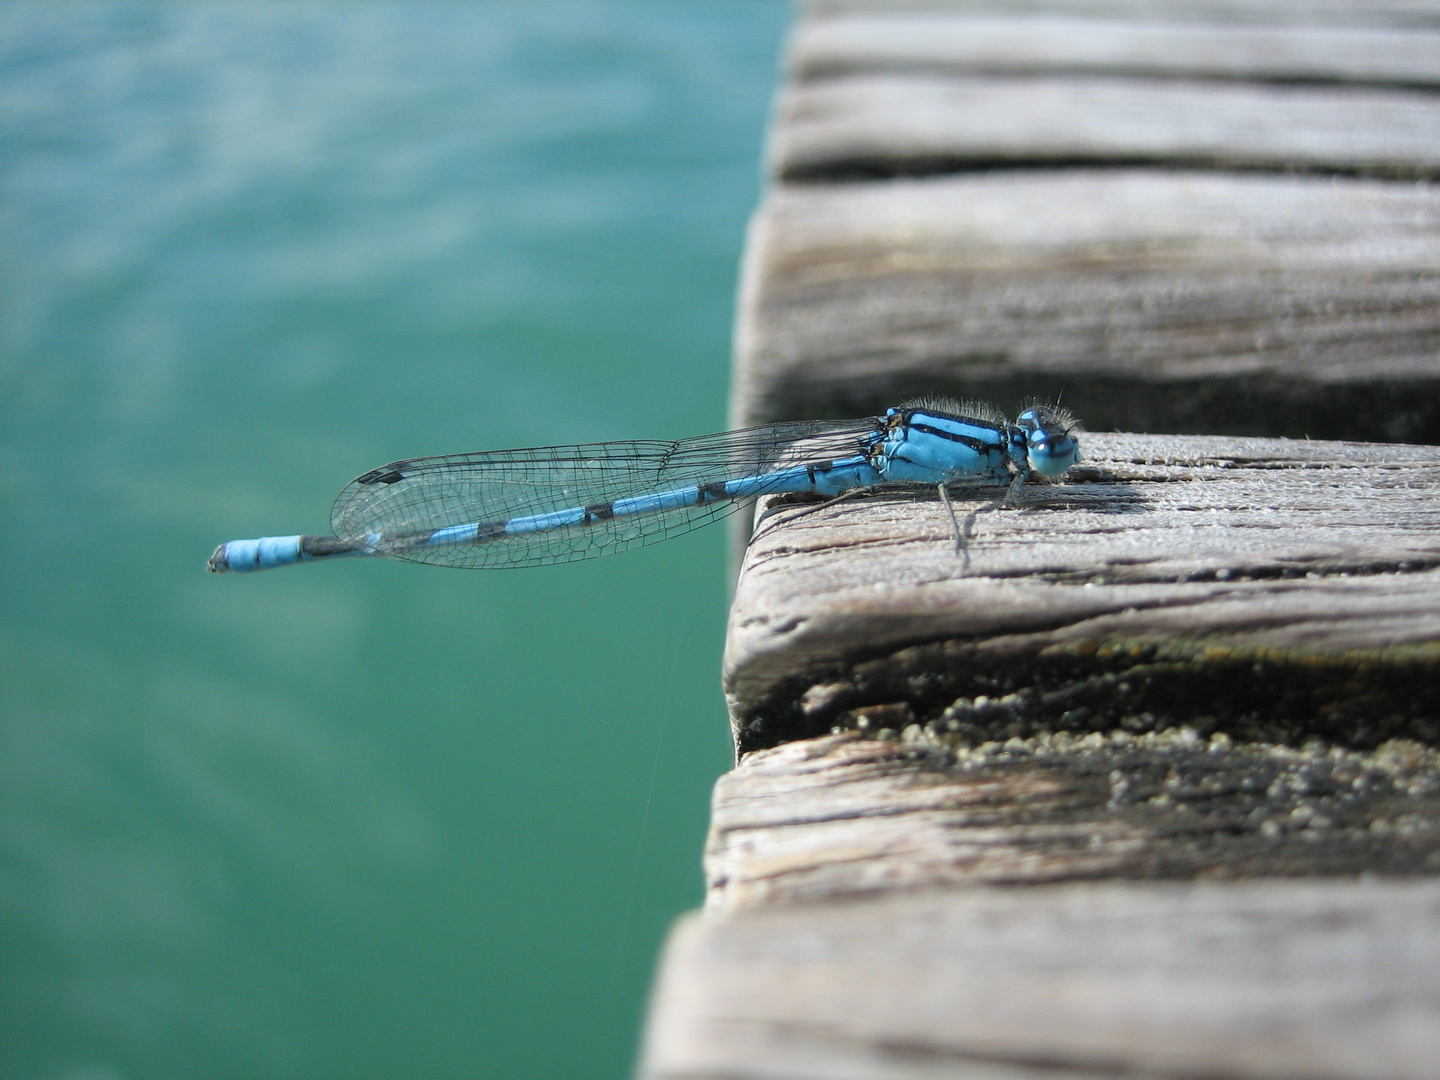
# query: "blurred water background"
364,819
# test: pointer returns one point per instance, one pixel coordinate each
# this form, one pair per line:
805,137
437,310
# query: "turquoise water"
362,819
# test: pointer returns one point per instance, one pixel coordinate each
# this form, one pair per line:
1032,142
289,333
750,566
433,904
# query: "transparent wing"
406,498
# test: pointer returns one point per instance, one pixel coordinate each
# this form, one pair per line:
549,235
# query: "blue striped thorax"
923,445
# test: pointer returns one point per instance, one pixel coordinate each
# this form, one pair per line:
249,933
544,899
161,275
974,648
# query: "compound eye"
1053,455
1043,440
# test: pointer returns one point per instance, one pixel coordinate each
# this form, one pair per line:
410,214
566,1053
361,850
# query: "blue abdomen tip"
266,553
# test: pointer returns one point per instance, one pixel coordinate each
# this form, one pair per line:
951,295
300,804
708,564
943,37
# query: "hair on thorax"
964,409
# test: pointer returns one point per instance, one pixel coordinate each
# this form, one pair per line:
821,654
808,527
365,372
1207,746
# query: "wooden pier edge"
1142,777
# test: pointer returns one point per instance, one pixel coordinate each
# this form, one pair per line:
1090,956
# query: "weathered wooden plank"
843,815
1151,300
1267,589
956,42
1399,13
1324,980
895,125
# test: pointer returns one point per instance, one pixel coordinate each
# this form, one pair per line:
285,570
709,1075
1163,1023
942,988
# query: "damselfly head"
1051,442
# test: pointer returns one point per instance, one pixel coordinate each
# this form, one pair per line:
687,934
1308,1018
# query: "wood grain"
1150,300
1325,980
1394,13
1270,589
958,42
897,125
845,815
